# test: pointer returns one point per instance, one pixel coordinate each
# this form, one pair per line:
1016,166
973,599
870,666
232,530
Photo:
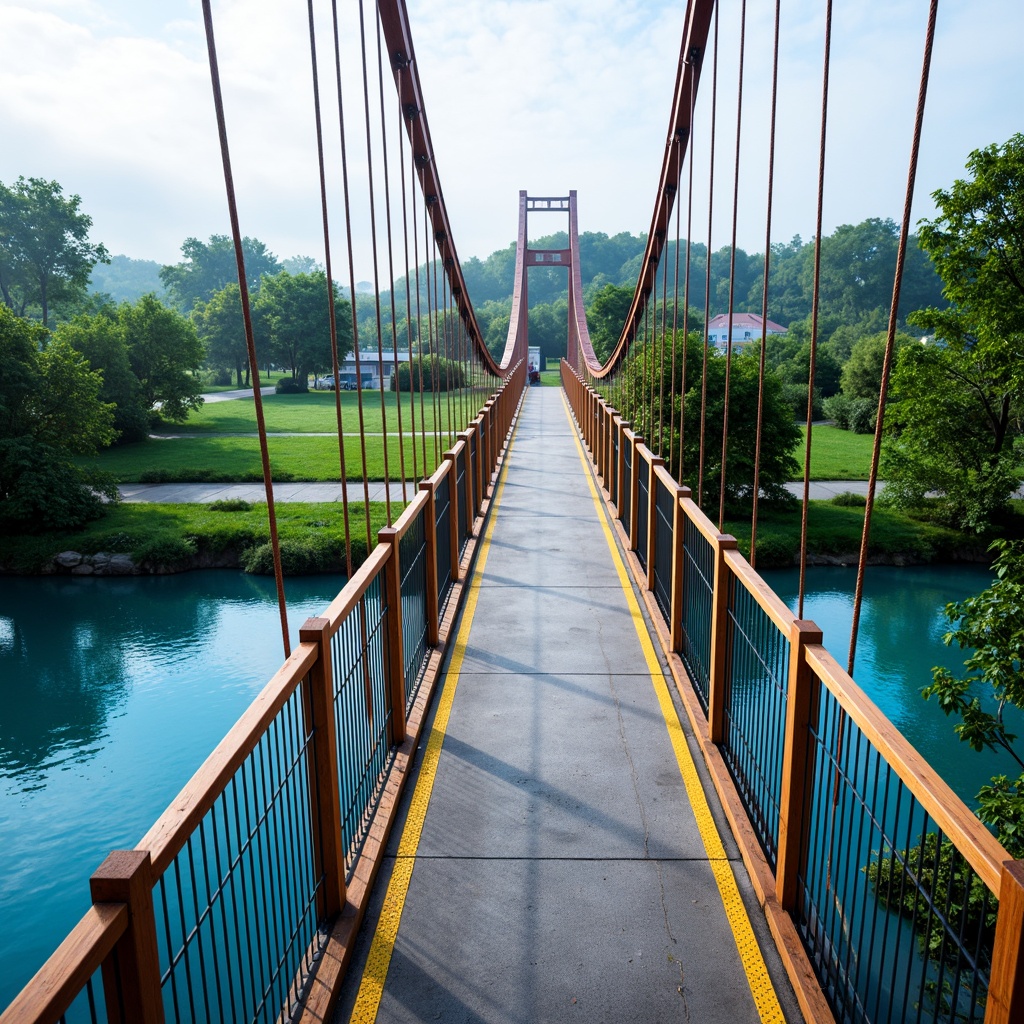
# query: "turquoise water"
112,693
901,630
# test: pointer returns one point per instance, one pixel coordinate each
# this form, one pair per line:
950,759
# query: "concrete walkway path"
560,871
299,491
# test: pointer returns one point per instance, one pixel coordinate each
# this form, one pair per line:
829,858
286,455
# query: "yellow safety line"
760,982
371,987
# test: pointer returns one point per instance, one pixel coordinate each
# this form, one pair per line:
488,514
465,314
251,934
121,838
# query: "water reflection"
112,692
902,625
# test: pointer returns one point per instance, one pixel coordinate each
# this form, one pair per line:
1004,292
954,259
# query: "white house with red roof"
746,328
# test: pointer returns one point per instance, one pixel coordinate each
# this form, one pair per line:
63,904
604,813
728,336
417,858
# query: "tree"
292,320
45,252
221,329
50,410
101,339
862,374
956,420
209,266
165,354
779,432
606,316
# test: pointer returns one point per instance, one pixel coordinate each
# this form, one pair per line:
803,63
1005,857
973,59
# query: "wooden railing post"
719,637
134,984
795,781
324,792
1006,979
430,533
454,512
652,517
395,641
678,569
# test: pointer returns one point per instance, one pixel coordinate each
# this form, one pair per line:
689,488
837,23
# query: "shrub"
291,386
168,552
438,374
299,557
230,505
837,408
847,499
774,552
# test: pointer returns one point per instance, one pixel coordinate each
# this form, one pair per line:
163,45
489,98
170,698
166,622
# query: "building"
746,328
369,369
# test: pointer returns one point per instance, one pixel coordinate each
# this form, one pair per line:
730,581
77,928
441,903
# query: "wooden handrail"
341,607
56,984
770,603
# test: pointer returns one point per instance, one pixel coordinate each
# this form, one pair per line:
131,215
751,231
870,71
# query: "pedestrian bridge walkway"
558,857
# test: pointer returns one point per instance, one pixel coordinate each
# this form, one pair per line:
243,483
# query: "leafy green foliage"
45,252
209,266
291,320
660,424
956,423
426,374
50,410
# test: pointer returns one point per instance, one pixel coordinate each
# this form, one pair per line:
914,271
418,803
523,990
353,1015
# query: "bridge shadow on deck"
560,870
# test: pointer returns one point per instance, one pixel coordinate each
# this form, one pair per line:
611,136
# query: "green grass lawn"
225,459
836,454
266,381
316,412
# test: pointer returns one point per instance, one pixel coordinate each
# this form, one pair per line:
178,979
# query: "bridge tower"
578,335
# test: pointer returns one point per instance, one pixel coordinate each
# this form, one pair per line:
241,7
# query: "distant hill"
125,279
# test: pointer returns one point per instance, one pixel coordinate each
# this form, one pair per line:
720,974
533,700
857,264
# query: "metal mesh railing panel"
412,558
696,609
362,714
897,924
443,530
757,680
642,513
236,909
664,522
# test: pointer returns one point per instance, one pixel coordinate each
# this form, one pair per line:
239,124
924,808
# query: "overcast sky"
112,99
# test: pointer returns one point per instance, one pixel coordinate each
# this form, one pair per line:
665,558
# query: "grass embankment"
834,535
225,534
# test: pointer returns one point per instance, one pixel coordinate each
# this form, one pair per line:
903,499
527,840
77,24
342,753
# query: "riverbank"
155,538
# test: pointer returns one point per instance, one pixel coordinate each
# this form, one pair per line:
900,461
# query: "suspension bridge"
556,747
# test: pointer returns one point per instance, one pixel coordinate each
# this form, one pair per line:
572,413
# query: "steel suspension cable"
664,328
391,273
732,265
376,263
408,293
419,313
815,297
250,342
764,286
890,338
707,266
351,274
686,286
328,273
675,325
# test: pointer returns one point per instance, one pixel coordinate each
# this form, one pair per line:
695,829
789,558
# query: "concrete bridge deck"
558,858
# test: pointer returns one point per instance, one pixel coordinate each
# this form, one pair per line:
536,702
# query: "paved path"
560,871
297,491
